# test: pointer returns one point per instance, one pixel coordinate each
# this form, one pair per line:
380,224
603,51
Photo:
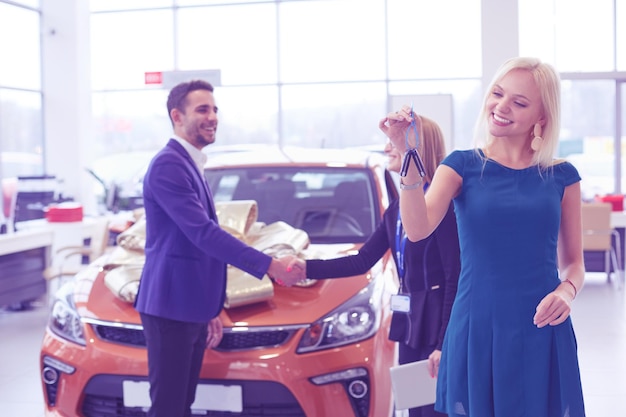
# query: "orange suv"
319,349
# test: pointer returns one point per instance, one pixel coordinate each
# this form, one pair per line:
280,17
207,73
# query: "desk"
65,234
23,257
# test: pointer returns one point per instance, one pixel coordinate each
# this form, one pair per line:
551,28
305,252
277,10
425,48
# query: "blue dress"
495,361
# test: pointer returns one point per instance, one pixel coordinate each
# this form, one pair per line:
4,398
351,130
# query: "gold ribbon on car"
239,218
125,263
133,239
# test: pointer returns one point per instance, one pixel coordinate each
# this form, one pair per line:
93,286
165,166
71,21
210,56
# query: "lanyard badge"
400,302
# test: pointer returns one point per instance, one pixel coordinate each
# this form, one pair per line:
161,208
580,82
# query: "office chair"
70,260
599,236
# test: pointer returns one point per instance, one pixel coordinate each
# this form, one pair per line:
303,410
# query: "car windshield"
333,205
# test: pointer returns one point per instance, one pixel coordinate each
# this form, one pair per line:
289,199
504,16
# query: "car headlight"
355,320
64,320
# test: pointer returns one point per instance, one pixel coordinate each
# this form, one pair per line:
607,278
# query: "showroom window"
588,47
289,73
21,136
574,35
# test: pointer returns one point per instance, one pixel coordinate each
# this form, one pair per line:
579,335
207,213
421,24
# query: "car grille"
232,340
120,335
104,398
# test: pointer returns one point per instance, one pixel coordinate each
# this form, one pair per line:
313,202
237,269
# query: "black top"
432,271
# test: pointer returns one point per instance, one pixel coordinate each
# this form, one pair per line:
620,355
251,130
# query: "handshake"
287,270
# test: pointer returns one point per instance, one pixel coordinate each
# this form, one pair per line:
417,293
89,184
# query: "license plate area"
209,397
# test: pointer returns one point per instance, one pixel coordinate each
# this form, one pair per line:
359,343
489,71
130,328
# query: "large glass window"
127,45
621,130
289,73
587,133
106,5
21,133
248,114
620,16
20,121
29,3
582,39
239,40
128,114
333,115
574,35
434,39
129,121
205,2
466,102
19,48
340,40
138,120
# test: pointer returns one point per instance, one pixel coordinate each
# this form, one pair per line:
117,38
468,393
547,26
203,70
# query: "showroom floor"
599,320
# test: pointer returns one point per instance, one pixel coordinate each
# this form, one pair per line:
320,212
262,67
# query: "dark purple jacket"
184,276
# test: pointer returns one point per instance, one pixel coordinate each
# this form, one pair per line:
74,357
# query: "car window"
332,205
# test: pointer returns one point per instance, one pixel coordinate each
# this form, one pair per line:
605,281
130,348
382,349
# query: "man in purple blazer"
183,282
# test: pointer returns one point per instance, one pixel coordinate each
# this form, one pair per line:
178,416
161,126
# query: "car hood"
288,305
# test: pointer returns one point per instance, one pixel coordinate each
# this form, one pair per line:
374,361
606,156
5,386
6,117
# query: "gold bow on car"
239,218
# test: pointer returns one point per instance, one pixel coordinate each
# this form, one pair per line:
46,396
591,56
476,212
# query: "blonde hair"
547,80
432,147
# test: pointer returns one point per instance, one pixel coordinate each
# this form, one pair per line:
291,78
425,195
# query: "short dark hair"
178,95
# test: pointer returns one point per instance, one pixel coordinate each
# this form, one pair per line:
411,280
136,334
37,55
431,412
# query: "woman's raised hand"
395,126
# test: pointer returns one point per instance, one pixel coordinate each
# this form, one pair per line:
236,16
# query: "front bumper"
351,380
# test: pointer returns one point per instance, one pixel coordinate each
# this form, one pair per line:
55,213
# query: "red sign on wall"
153,77
168,79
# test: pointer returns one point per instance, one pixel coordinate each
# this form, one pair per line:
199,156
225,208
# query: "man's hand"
216,331
287,270
300,264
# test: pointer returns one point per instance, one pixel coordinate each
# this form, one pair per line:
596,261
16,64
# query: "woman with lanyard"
428,270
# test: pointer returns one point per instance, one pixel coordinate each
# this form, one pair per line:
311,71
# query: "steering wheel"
344,224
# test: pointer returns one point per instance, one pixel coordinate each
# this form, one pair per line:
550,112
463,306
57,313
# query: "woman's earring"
537,140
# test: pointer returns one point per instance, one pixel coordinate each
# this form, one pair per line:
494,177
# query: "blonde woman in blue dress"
510,348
